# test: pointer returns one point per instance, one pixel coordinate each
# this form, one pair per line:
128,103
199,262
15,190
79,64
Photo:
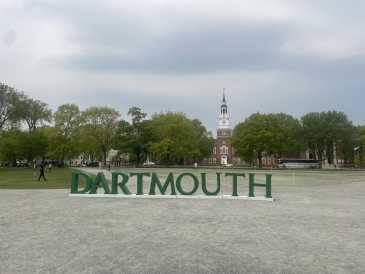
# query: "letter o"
178,184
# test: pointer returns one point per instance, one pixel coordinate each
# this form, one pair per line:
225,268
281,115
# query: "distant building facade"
223,152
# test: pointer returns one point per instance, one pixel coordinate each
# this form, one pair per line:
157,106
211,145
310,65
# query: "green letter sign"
267,185
75,182
178,184
204,185
140,181
235,175
122,186
100,181
156,181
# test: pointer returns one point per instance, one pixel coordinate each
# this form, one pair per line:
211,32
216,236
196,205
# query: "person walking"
42,173
195,166
50,167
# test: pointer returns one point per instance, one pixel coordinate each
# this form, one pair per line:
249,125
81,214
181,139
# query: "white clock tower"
223,150
223,117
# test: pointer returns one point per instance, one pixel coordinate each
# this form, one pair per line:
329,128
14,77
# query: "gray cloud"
9,37
282,56
29,4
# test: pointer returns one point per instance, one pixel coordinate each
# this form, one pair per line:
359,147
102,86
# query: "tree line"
26,133
326,134
94,131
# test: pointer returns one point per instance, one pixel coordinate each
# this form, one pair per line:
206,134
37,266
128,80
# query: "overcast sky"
291,56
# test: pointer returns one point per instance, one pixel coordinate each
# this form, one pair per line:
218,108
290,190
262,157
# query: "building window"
238,160
210,160
214,160
205,160
233,150
234,161
214,150
224,150
223,133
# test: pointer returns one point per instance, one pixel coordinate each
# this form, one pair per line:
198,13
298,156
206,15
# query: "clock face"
223,122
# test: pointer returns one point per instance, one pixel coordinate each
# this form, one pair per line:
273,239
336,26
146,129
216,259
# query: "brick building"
223,153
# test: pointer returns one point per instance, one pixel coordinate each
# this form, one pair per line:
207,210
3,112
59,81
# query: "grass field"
60,178
297,177
23,178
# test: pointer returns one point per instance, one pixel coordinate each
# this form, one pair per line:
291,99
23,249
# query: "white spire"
223,117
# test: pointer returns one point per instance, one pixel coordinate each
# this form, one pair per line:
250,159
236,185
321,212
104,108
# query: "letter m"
156,181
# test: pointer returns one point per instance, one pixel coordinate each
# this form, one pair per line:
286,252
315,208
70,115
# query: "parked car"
78,165
227,165
150,164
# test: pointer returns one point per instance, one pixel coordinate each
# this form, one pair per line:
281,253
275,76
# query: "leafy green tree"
344,147
121,139
134,138
35,112
191,147
9,105
90,150
173,132
9,144
32,144
65,135
291,140
259,133
205,141
18,145
313,133
321,131
100,124
340,135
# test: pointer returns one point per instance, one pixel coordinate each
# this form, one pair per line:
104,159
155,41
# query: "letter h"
252,184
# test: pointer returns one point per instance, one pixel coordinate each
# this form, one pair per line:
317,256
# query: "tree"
291,140
134,138
313,133
190,148
9,104
343,134
173,132
321,131
345,146
18,145
205,140
65,135
100,127
9,144
32,144
35,112
259,133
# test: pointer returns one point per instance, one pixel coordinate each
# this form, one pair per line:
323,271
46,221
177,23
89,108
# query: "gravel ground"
313,229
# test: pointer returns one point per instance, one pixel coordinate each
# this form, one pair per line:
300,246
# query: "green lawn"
23,178
60,178
280,177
